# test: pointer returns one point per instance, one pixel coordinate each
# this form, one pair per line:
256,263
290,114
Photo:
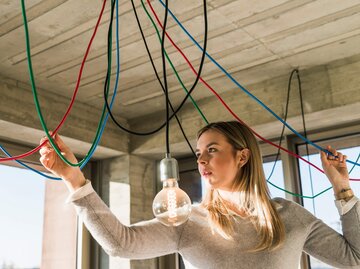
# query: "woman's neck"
232,197
232,201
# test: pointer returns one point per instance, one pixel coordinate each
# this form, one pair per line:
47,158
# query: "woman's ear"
243,156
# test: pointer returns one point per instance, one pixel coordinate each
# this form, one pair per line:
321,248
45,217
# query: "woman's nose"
202,159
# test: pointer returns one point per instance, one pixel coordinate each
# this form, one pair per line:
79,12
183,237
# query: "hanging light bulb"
171,206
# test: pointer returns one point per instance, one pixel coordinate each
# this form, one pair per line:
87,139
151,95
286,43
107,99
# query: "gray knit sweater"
200,248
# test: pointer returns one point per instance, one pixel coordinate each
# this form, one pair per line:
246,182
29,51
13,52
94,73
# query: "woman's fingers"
334,164
61,144
47,147
324,159
47,162
45,150
47,156
332,153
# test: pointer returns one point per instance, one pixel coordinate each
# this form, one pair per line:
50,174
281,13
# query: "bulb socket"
169,168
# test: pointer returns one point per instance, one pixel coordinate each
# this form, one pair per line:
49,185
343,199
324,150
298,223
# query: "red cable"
226,106
72,99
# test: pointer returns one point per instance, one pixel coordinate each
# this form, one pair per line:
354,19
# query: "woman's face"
218,163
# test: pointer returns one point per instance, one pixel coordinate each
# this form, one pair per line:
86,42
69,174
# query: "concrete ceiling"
253,40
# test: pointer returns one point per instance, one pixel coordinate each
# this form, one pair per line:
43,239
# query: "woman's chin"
208,181
212,183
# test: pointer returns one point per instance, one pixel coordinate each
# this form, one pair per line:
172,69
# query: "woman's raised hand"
335,168
72,176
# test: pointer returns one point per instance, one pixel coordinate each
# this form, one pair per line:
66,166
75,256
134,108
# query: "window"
275,176
22,210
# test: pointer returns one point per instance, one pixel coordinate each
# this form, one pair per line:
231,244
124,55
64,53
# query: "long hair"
251,184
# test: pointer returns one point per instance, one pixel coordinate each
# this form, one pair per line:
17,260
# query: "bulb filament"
171,199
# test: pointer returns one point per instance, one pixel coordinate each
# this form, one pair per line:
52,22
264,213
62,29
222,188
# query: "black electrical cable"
285,115
106,85
167,101
188,94
164,75
108,74
306,137
302,112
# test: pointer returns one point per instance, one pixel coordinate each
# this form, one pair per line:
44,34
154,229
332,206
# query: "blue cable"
245,90
30,168
106,116
272,171
116,82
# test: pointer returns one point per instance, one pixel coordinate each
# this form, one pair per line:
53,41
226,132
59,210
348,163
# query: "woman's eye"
212,149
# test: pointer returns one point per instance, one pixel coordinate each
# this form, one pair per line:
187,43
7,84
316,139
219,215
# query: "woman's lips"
206,173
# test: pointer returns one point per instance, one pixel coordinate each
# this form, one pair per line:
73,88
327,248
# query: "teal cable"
299,195
37,105
103,124
352,168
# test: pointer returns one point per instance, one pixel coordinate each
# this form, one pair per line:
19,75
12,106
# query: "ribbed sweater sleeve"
327,245
143,240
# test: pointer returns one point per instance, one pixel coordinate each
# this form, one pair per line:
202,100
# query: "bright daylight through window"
22,211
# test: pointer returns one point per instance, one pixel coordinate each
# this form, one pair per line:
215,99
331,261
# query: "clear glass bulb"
171,206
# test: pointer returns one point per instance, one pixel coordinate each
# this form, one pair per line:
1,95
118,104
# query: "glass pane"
22,210
277,178
190,182
320,205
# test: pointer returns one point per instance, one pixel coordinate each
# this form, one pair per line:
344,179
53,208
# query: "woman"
237,225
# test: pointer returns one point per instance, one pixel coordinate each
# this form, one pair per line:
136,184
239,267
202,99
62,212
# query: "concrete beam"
331,97
19,121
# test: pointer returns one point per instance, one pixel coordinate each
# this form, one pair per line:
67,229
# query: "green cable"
299,195
305,196
172,66
37,105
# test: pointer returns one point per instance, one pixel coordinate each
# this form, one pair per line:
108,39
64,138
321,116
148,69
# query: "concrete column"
128,188
60,229
143,189
59,248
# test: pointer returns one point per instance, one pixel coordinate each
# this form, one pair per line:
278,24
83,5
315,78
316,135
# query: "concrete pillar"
128,188
143,190
60,230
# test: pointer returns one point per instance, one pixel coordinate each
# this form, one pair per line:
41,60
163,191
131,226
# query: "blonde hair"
254,193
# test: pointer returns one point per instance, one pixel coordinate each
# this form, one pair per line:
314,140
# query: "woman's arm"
341,251
327,245
143,240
